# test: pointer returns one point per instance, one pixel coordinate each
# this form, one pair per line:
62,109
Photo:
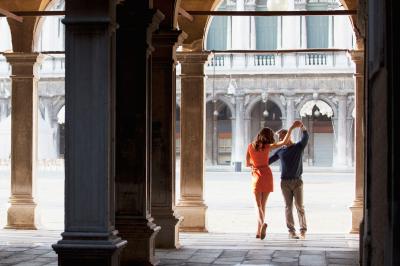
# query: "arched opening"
317,116
270,89
50,31
219,132
265,114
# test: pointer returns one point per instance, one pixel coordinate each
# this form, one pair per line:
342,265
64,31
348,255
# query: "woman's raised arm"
287,137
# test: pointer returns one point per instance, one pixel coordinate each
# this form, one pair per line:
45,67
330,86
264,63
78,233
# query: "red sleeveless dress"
262,175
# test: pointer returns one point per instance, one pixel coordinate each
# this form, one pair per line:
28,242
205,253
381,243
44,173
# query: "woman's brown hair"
265,136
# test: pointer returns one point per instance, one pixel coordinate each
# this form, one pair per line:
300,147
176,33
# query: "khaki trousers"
293,189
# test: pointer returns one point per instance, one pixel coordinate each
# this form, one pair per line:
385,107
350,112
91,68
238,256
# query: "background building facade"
247,91
244,91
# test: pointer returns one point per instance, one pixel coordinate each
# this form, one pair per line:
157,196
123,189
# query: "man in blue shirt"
291,158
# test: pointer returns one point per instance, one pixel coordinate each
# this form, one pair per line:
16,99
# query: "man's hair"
282,130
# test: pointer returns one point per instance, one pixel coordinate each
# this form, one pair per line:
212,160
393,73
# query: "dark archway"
265,114
219,133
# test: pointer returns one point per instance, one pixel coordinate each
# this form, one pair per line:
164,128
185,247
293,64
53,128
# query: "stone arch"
57,106
22,34
225,100
52,5
273,98
196,29
310,98
170,9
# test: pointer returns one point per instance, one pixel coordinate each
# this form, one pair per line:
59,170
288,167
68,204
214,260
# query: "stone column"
214,153
191,203
289,110
342,136
240,153
359,125
89,237
163,137
24,98
133,131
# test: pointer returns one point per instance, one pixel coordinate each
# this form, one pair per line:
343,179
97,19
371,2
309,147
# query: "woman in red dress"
257,158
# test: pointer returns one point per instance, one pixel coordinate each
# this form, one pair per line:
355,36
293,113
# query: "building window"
217,34
317,27
266,30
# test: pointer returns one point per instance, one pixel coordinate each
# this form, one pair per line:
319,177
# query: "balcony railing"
314,1
301,61
217,61
315,59
264,60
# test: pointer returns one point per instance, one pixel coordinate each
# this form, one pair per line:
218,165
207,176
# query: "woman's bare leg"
264,198
260,213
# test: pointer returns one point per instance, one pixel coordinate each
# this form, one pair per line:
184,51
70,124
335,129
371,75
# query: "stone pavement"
33,248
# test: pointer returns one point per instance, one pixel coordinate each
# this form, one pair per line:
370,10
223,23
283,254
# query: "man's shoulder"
278,151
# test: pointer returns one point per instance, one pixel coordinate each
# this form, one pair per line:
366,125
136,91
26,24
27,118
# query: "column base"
140,234
356,216
88,250
238,166
21,214
194,216
168,237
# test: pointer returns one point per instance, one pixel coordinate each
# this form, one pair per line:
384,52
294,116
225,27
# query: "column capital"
21,58
357,56
165,43
22,64
193,57
168,38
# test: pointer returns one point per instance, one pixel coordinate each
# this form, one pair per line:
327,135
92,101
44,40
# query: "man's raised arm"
304,138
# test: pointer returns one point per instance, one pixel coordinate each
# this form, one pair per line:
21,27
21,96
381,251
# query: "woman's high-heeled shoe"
263,231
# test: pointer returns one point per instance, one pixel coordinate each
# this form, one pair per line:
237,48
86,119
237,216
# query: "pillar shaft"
214,160
289,111
24,98
89,237
163,137
191,204
358,204
342,130
133,139
239,133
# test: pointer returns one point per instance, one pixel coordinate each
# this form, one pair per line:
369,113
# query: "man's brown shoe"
292,235
302,235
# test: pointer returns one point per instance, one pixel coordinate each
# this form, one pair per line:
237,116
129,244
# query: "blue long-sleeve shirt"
291,158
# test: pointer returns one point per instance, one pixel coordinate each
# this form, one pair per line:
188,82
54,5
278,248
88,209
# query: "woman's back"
260,157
